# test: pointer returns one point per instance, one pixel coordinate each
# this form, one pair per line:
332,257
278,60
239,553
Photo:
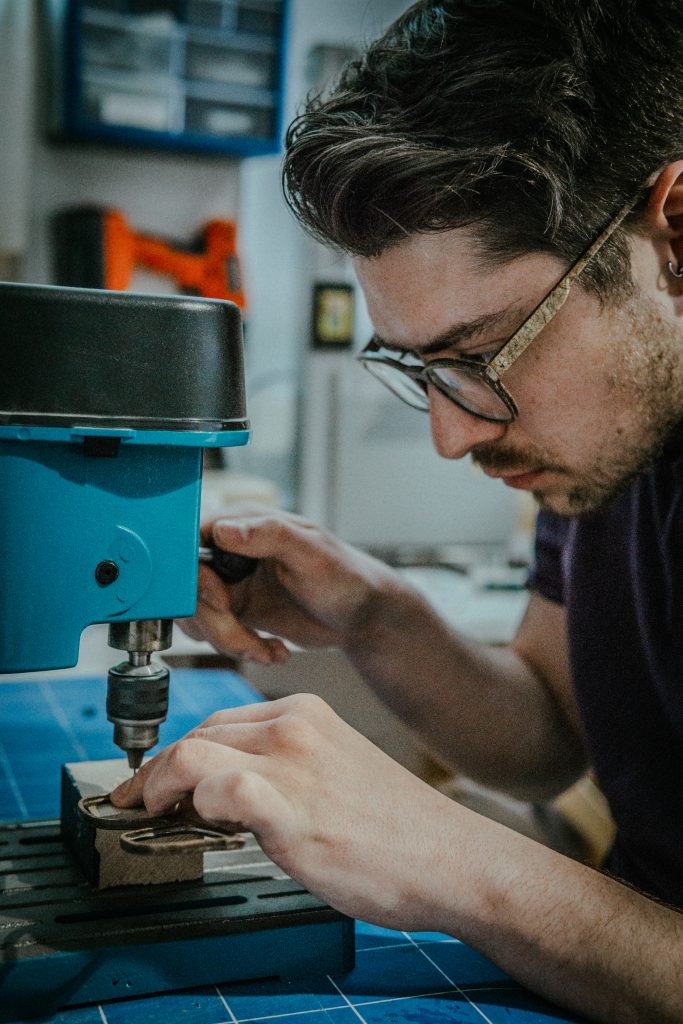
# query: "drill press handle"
231,568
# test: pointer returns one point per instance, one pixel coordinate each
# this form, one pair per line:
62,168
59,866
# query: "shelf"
202,75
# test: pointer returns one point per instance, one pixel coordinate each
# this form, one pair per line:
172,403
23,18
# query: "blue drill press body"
63,514
107,402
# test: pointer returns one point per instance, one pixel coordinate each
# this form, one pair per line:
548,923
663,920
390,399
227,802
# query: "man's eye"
492,351
482,357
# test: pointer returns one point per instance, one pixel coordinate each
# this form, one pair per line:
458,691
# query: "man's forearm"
483,709
575,936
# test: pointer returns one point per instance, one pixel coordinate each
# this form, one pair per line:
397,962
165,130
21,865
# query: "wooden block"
97,850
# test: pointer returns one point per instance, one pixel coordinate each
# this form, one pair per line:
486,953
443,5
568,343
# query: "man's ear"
664,217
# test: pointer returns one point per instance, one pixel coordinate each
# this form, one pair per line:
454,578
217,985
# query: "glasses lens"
413,392
470,391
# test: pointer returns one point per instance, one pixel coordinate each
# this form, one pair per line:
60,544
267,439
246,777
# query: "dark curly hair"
532,120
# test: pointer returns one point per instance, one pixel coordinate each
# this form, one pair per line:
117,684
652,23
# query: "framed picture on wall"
332,316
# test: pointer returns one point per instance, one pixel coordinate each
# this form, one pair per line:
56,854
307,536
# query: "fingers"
215,770
214,621
130,793
192,628
251,737
286,538
176,771
244,796
306,586
264,711
211,590
237,730
241,511
303,704
227,634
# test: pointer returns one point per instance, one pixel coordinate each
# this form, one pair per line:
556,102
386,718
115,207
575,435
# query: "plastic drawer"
128,49
110,103
217,63
207,117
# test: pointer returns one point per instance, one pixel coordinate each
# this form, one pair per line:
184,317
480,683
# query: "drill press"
107,401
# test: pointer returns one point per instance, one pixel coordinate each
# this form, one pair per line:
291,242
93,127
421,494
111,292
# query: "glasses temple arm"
553,302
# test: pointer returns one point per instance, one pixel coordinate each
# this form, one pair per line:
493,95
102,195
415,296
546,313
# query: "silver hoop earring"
675,273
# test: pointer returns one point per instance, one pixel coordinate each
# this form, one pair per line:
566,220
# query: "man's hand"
309,587
325,804
315,590
375,842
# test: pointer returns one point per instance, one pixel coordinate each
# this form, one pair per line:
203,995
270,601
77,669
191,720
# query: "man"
508,176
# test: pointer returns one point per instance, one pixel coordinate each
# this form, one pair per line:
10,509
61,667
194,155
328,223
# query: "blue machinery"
95,538
107,401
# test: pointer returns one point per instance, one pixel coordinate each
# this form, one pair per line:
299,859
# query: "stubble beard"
645,380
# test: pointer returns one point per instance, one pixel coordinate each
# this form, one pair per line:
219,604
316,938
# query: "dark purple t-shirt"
619,574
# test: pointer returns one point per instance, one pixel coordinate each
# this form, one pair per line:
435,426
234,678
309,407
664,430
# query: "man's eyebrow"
460,332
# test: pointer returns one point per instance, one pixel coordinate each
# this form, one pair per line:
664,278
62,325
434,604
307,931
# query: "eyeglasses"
473,383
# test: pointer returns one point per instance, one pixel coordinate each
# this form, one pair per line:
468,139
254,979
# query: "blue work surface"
399,978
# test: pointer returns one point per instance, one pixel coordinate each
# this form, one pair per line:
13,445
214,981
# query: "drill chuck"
137,703
137,689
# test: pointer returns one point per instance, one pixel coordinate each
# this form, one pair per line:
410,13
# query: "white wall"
280,273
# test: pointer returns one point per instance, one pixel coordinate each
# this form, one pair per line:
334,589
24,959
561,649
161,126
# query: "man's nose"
454,431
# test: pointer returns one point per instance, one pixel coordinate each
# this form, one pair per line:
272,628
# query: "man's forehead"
430,255
431,291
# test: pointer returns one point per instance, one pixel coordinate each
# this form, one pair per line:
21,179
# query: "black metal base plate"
63,943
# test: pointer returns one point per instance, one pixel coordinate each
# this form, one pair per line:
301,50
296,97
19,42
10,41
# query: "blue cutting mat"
399,978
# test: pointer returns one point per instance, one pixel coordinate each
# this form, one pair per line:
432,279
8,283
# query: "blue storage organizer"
197,75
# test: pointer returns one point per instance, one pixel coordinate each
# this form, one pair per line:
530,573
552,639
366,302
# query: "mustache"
499,459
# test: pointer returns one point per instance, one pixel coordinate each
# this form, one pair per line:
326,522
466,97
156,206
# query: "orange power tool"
97,248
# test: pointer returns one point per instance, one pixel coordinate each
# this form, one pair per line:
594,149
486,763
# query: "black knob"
106,572
230,567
